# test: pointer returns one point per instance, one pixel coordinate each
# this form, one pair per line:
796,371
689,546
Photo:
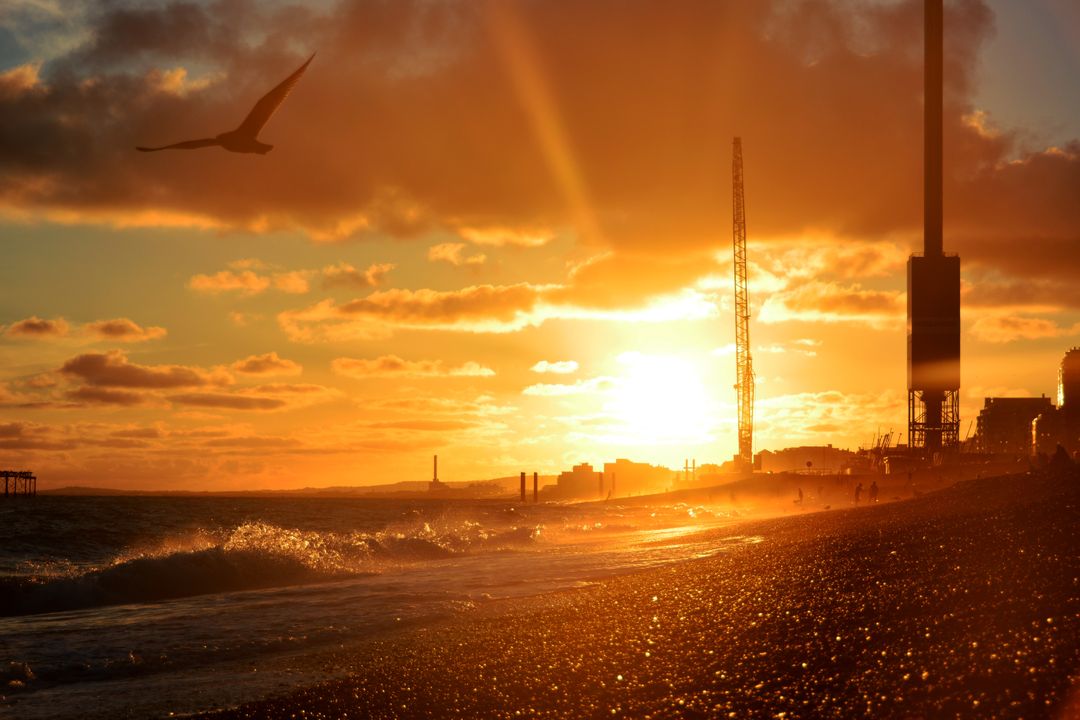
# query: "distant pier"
19,482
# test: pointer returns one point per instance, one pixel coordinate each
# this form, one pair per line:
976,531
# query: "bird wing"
270,102
186,145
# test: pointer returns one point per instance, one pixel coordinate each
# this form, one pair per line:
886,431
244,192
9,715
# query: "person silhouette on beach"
873,492
800,496
858,493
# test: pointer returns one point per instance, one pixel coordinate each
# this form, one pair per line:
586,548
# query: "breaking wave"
252,556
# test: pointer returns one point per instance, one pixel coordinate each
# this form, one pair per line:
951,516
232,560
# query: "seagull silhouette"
244,139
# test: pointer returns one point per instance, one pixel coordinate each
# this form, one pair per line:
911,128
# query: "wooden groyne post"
19,482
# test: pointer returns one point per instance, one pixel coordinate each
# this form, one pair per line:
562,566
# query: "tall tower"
744,366
933,280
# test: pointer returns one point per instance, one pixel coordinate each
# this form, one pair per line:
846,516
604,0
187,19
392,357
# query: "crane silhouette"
245,139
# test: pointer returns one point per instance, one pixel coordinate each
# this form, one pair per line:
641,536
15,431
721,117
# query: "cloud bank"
504,123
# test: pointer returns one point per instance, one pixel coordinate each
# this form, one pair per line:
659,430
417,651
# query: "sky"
501,231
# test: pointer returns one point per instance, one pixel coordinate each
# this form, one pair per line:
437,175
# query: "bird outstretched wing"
186,145
270,102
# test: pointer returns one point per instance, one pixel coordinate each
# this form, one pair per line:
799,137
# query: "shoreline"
964,602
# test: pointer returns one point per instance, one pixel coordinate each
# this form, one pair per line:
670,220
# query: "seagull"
244,139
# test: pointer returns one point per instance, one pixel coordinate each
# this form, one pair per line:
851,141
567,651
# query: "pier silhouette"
19,482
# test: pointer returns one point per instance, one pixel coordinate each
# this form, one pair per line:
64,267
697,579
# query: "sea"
144,606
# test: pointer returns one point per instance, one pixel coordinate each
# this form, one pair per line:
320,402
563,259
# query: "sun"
660,400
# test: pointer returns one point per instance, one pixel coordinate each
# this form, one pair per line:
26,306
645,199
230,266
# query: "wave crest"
251,556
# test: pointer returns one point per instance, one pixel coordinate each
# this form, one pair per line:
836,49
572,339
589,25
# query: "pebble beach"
961,603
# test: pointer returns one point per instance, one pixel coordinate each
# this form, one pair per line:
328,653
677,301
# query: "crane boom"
744,365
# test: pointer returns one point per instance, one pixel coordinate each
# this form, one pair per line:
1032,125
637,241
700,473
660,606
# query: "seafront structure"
19,482
933,281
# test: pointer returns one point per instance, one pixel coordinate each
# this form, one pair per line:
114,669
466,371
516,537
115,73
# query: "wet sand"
963,603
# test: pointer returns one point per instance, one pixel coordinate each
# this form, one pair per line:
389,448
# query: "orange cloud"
559,367
445,405
225,401
40,445
20,79
113,369
619,280
261,443
1005,329
831,302
482,308
424,425
246,282
812,257
476,304
105,396
243,278
247,264
454,253
581,387
294,283
139,432
816,417
267,364
345,275
1047,294
292,389
240,319
175,81
500,236
123,330
11,429
38,329
115,330
393,366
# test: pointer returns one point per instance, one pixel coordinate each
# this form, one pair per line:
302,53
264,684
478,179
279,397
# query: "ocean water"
161,606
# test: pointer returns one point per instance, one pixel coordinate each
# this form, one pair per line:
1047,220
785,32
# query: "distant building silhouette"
619,479
637,478
1004,424
576,484
812,459
1061,425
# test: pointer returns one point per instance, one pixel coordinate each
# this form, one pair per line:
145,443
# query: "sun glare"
660,399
